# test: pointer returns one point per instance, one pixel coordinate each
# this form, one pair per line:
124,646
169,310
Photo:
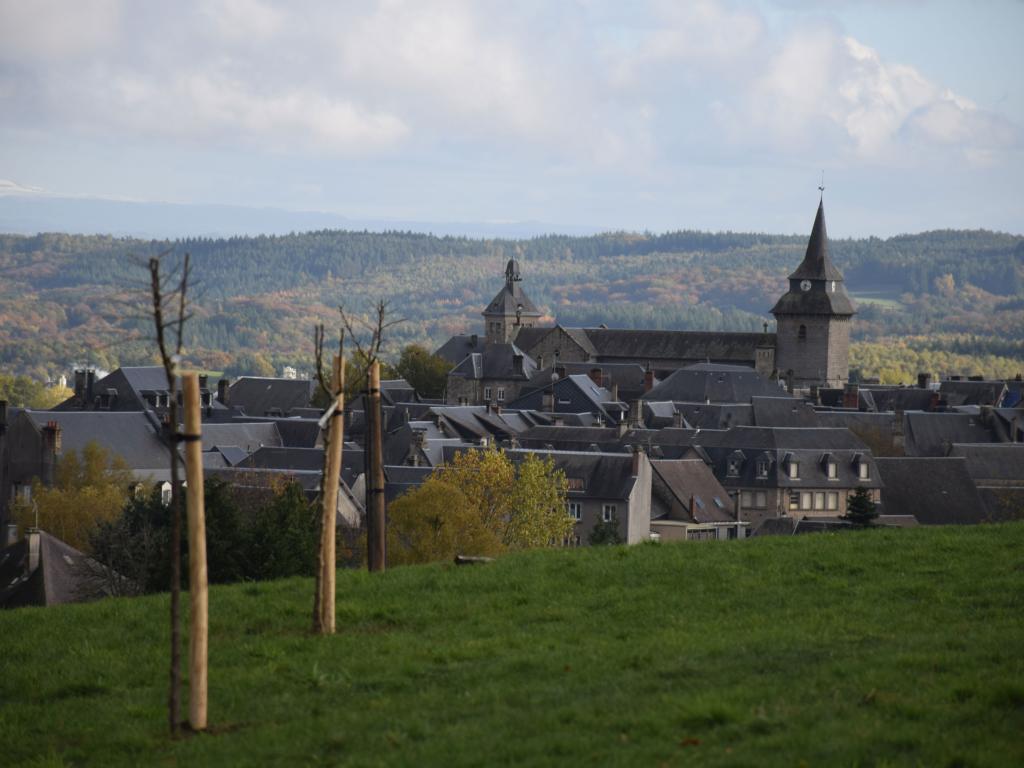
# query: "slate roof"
401,479
628,376
457,348
496,361
691,478
260,396
248,436
703,415
294,432
972,392
932,434
936,491
132,435
783,412
63,575
511,296
527,338
575,393
900,398
817,267
675,347
604,475
715,383
996,465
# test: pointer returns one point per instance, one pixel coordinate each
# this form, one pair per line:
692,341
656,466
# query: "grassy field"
863,649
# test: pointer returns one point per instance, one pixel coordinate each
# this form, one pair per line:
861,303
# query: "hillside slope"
880,647
68,299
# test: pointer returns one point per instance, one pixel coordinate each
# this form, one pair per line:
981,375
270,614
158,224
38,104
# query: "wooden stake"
335,442
197,587
376,554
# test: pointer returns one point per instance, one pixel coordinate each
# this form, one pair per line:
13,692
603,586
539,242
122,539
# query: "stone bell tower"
813,319
510,310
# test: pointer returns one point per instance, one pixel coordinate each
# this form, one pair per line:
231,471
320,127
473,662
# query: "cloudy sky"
647,115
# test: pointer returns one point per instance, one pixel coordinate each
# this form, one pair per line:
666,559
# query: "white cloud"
52,29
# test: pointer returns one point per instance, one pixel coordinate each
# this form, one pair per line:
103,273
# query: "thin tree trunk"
376,555
197,582
325,621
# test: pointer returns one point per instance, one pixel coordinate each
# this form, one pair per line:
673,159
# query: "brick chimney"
648,380
851,396
596,376
222,390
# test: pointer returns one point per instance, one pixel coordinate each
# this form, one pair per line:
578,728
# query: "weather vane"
821,187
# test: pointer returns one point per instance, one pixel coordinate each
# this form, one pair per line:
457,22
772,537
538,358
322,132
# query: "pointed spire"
816,264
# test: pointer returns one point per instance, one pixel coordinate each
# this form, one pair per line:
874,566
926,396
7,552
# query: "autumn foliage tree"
481,503
88,489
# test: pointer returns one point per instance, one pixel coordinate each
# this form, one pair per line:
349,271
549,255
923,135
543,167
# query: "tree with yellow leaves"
88,489
482,503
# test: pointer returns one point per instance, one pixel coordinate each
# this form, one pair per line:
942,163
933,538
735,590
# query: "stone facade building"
813,319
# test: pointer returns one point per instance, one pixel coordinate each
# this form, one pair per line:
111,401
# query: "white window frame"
794,470
575,510
487,394
832,501
501,394
863,471
608,512
832,470
763,467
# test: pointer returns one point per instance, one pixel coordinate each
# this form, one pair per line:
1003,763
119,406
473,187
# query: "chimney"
986,415
924,380
560,370
597,377
933,402
473,341
3,416
12,534
648,380
678,420
222,391
615,393
90,379
487,407
815,394
32,538
497,409
623,428
513,442
204,381
636,414
80,385
851,396
559,421
975,378
517,365
637,452
693,506
547,403
51,449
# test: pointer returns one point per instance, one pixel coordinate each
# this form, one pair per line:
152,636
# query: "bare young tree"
376,551
169,293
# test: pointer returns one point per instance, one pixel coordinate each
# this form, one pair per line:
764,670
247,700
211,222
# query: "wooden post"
376,553
335,441
197,588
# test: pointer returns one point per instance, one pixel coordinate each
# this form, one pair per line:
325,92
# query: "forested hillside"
945,301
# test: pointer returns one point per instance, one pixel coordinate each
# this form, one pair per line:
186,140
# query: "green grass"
882,299
871,648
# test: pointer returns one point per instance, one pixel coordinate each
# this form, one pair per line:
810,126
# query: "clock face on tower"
805,285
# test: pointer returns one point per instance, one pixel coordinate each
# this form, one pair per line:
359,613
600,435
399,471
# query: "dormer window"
833,286
764,465
735,464
794,470
832,470
863,471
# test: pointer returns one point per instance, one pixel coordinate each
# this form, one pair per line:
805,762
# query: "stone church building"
810,346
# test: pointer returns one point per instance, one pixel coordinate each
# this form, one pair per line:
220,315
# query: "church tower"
813,319
510,310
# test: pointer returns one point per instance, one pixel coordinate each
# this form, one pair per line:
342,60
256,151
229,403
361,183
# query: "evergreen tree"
860,508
